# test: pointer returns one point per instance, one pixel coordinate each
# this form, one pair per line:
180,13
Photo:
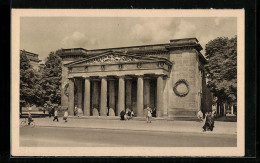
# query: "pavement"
138,124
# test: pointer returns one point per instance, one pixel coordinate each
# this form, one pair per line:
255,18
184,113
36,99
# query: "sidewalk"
139,125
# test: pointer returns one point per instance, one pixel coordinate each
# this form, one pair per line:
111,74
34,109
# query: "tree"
30,89
221,54
51,79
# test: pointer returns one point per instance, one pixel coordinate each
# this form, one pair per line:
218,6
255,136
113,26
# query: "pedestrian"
51,112
149,114
200,116
65,117
29,118
209,122
75,110
122,115
132,115
56,115
125,116
44,108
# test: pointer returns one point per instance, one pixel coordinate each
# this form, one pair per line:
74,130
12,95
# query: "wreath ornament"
181,88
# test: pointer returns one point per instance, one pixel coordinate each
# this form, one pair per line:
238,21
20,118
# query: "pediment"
111,58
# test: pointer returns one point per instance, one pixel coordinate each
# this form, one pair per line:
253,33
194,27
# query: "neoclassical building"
169,78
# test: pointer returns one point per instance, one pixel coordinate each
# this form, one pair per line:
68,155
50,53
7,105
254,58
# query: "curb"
138,130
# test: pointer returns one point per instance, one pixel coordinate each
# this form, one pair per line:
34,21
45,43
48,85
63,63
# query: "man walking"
56,116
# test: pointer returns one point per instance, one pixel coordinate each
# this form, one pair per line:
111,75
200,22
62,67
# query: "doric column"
79,82
95,94
232,109
87,97
129,94
103,97
112,94
147,92
71,96
121,95
159,108
140,96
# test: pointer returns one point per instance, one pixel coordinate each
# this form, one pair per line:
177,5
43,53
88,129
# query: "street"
85,137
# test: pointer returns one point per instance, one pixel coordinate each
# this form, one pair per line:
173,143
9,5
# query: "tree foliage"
221,54
51,79
30,88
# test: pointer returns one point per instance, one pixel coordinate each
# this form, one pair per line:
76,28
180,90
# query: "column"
87,97
121,95
147,92
128,94
71,96
95,94
103,97
232,109
140,96
112,96
79,82
159,111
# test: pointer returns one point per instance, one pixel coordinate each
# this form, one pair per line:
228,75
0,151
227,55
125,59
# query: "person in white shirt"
56,116
66,116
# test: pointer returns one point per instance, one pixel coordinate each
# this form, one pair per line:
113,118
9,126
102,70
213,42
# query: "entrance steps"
137,118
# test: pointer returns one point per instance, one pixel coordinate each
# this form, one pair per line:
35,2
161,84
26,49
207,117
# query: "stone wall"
186,67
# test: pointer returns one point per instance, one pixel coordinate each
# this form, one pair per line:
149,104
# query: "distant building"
34,60
169,78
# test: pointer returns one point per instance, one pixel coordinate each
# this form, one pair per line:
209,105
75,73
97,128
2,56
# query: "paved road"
79,137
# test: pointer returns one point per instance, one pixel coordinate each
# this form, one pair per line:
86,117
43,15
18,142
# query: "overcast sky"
42,35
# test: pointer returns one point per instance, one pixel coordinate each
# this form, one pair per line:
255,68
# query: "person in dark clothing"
209,122
122,115
51,112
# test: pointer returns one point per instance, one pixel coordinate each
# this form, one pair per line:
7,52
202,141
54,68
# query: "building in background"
34,60
169,78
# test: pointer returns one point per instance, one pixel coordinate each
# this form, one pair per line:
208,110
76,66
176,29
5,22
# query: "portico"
121,84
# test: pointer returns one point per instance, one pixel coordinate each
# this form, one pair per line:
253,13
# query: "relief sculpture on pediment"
112,58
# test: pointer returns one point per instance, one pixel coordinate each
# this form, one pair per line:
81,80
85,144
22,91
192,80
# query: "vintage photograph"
120,80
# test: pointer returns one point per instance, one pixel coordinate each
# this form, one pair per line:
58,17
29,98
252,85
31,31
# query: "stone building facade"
169,78
34,59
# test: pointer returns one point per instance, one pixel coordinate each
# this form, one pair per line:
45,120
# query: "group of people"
127,115
54,111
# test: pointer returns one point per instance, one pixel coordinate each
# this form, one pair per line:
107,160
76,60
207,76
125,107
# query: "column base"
159,113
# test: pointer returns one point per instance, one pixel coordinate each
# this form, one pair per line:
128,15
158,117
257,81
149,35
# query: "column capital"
121,76
159,75
140,76
103,77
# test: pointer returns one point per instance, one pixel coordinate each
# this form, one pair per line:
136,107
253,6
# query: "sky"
43,35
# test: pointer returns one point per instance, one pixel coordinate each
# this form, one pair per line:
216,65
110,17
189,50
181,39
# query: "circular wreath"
181,94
